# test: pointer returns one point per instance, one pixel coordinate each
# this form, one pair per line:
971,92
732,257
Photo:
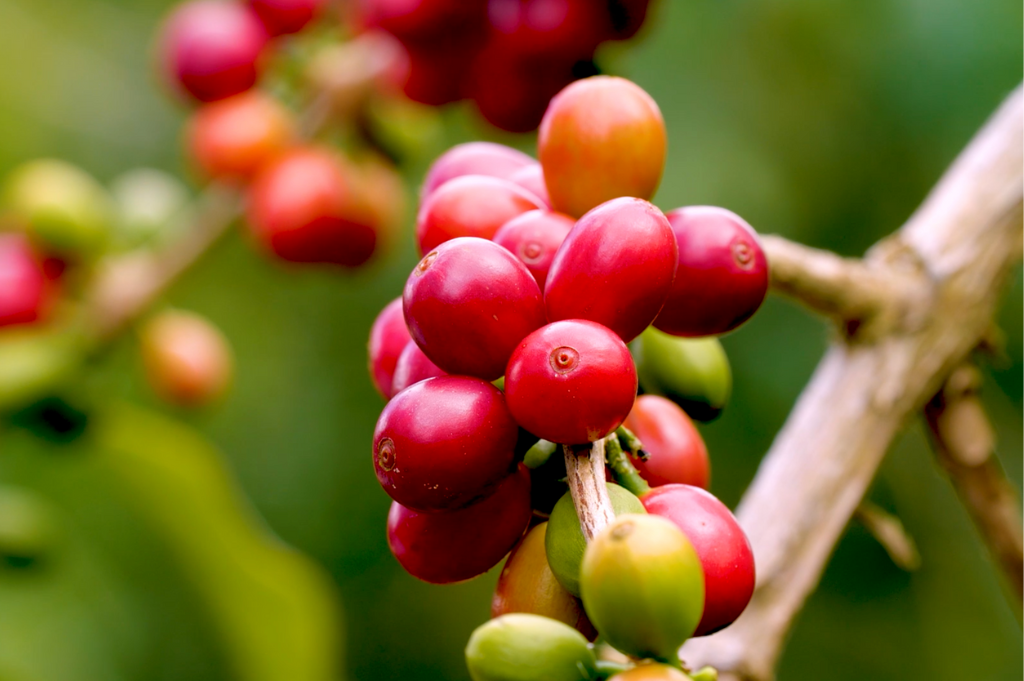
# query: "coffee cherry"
286,16
435,71
233,138
651,672
534,237
642,586
304,207
152,206
724,550
677,451
527,585
388,337
571,382
531,178
414,20
567,29
468,304
472,205
66,213
474,158
722,276
187,359
615,268
564,542
453,546
412,367
211,48
601,138
524,647
24,289
443,443
692,372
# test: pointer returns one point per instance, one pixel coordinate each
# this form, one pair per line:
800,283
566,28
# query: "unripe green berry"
523,647
692,372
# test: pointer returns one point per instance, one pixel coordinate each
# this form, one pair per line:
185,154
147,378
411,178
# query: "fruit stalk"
625,472
584,466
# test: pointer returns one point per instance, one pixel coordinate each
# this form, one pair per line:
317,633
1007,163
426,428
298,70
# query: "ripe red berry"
388,337
601,138
211,48
471,205
24,286
187,359
304,208
571,382
722,276
235,137
412,367
442,548
570,29
531,178
435,71
469,303
286,16
677,451
534,237
721,544
615,268
443,443
474,158
419,19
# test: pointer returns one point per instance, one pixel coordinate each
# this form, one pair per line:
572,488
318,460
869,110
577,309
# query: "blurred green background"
826,121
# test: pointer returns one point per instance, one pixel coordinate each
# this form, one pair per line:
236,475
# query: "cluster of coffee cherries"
307,203
511,336
508,56
56,224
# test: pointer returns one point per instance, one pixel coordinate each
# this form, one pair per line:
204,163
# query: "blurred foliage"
826,121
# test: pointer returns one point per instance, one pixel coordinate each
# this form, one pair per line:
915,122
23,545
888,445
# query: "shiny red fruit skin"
721,544
570,29
304,209
442,548
534,237
419,19
531,178
412,367
677,451
471,205
211,48
24,286
616,268
286,16
388,337
443,443
474,158
469,303
722,276
571,382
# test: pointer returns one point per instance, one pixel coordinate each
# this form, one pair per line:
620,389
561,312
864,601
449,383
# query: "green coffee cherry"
27,526
64,210
692,372
151,207
522,647
643,586
565,542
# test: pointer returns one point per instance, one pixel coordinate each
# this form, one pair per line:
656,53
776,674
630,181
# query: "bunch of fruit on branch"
511,386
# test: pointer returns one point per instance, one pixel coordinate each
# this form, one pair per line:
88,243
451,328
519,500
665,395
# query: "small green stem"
606,668
625,473
631,443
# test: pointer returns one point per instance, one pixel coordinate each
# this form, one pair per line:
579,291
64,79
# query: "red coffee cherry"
235,137
469,303
412,367
528,585
677,451
615,268
420,19
443,443
211,48
534,237
570,29
601,138
442,548
474,158
531,178
187,359
472,205
286,16
722,276
24,286
435,70
388,337
571,382
304,208
721,544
